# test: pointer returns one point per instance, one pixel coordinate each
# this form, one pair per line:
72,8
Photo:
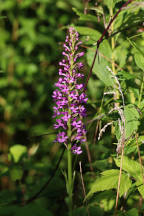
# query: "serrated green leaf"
128,19
130,149
131,145
17,151
109,180
101,63
131,119
132,167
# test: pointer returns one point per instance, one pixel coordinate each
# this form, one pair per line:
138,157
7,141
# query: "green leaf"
109,180
121,49
85,17
88,32
139,59
141,190
33,210
101,63
106,199
93,210
100,164
30,210
131,119
16,173
3,169
92,86
6,196
108,3
111,3
126,76
132,212
128,19
131,145
98,9
17,151
2,17
130,148
132,167
116,1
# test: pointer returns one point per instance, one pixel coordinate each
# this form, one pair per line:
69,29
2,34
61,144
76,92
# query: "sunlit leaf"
109,180
17,151
130,166
139,59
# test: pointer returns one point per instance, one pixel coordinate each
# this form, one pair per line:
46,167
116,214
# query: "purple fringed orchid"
69,96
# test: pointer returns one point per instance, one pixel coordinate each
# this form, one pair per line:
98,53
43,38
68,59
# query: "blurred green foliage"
31,37
30,48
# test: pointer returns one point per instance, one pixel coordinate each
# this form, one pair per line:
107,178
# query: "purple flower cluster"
69,95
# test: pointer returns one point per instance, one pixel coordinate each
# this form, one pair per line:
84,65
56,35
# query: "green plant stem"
116,96
112,43
69,153
70,180
70,183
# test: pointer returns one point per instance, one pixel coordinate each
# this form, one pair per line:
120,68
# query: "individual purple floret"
76,150
69,96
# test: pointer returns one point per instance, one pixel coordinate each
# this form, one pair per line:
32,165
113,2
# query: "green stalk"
112,43
69,155
116,96
70,183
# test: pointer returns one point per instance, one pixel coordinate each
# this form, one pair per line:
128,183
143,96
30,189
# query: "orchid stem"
70,183
70,180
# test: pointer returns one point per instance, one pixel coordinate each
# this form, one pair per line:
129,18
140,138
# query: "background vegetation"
31,37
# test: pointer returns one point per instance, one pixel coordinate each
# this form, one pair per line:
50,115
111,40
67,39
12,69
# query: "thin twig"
102,37
119,180
122,129
89,157
85,6
88,153
96,131
121,164
83,187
